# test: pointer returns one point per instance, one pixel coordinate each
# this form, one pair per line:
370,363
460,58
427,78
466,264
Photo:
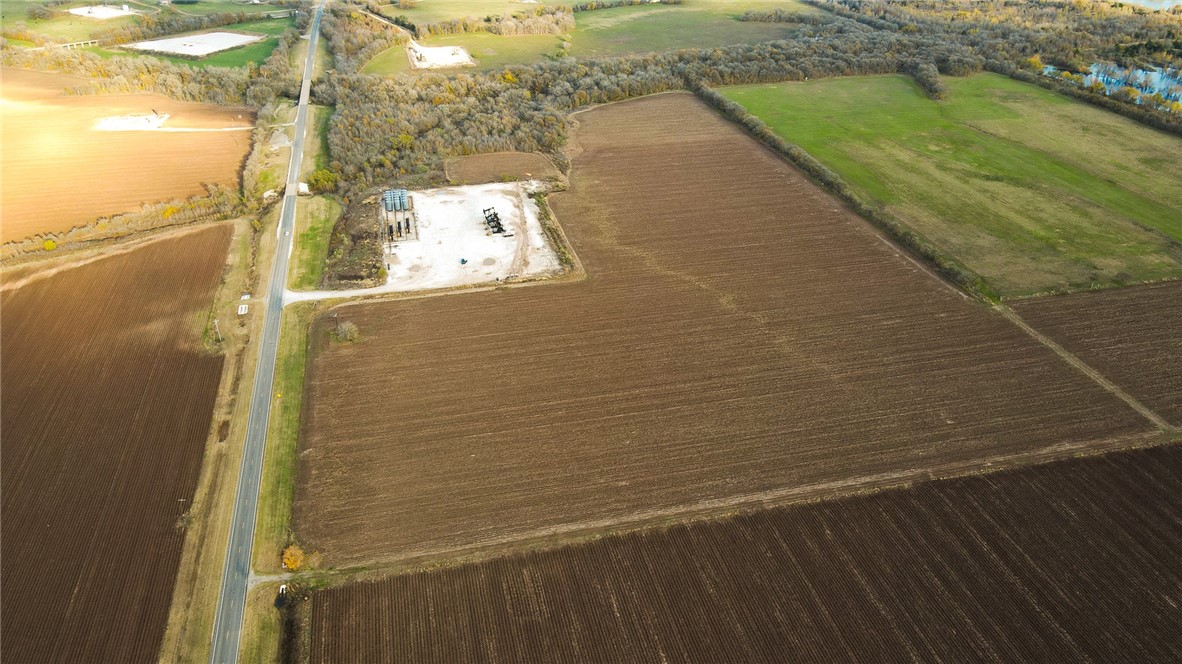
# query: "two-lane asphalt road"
227,626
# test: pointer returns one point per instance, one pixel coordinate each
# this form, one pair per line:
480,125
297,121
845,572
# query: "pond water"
1154,4
1168,82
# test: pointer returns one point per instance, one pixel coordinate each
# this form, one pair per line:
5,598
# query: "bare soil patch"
500,167
108,396
1062,562
59,172
1131,335
738,332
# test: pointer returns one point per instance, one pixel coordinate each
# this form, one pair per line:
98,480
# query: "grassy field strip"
275,498
1034,191
262,626
601,33
70,27
314,224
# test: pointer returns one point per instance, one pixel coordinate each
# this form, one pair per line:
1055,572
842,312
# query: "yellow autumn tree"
293,557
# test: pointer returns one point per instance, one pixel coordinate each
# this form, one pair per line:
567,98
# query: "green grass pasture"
1034,191
237,57
597,34
223,7
65,27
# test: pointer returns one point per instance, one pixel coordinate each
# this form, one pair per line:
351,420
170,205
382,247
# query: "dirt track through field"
738,332
1131,335
107,404
1071,561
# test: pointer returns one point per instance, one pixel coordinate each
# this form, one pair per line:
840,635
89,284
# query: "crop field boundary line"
1084,368
573,534
349,299
83,253
205,536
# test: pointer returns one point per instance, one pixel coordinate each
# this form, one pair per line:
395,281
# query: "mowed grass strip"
226,7
273,526
1034,191
1038,564
1131,335
649,28
108,396
739,334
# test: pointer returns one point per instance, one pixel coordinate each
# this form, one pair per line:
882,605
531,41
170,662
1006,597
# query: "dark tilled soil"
739,333
1072,561
107,406
1131,335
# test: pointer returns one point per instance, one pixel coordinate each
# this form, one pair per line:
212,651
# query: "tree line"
1016,38
402,128
354,38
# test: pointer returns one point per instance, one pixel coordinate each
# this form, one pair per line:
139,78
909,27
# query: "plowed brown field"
739,336
59,172
499,166
1067,562
107,405
1131,335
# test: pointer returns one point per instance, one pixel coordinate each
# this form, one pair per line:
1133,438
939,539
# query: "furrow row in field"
107,401
1068,561
738,332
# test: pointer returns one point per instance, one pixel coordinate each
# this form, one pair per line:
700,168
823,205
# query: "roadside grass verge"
1035,192
272,529
316,143
262,626
315,218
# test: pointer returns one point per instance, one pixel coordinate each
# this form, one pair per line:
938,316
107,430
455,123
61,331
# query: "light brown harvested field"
739,335
108,397
59,173
1067,562
1131,335
499,167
